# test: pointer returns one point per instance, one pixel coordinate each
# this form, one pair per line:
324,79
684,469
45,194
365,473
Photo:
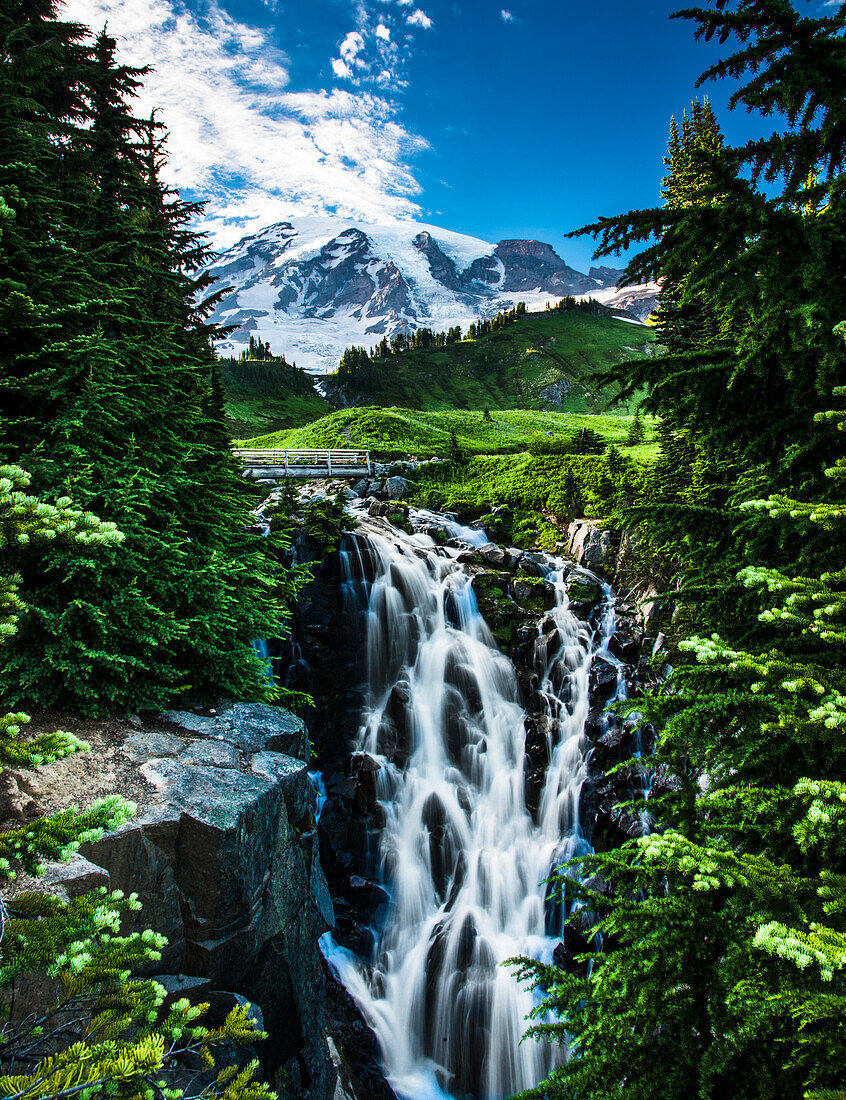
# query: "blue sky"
523,120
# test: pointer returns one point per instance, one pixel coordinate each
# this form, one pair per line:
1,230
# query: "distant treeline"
569,304
257,370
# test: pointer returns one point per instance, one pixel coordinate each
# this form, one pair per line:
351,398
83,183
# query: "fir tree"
723,931
104,343
724,972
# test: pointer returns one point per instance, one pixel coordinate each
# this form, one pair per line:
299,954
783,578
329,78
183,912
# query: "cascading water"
461,855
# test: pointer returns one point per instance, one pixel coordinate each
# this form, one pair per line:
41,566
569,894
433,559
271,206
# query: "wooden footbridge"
305,464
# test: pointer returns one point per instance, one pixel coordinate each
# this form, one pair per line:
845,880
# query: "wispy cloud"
375,53
241,138
506,16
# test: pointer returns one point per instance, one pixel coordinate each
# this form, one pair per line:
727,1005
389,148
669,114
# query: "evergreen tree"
717,943
636,433
111,361
723,971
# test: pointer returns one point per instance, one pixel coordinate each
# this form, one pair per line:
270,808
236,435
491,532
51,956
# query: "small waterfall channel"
460,854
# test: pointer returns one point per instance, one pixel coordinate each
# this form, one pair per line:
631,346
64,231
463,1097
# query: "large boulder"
250,727
494,555
224,859
397,487
590,546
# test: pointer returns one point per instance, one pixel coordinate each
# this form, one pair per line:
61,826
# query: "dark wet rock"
611,748
394,735
628,823
597,884
614,736
603,678
358,1058
596,724
352,929
573,943
664,782
363,774
333,832
532,565
491,554
366,897
535,777
624,648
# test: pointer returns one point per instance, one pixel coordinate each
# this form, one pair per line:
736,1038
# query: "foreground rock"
223,855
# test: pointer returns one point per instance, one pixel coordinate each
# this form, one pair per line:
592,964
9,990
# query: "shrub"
550,445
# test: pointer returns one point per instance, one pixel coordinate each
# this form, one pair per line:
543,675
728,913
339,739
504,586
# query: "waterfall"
461,855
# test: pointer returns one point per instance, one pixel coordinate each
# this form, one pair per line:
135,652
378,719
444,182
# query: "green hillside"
266,395
510,368
398,431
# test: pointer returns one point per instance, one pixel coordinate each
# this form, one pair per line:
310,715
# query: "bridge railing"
295,458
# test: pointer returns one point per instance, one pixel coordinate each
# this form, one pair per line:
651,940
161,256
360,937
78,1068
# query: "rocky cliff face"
316,286
530,266
223,855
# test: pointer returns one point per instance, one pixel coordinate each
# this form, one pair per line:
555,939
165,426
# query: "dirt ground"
78,780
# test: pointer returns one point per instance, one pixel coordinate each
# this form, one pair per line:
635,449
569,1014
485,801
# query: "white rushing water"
462,857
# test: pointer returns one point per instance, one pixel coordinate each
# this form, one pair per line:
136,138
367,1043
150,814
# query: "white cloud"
351,46
383,32
240,138
419,18
506,16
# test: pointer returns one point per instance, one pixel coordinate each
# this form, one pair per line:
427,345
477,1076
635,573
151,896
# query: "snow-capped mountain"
315,286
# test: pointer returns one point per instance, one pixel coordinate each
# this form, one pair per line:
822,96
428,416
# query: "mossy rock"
399,519
529,592
491,586
584,591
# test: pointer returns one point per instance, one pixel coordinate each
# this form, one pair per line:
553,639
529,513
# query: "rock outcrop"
590,546
223,855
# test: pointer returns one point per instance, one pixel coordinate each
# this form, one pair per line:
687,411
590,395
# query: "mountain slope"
315,286
545,359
